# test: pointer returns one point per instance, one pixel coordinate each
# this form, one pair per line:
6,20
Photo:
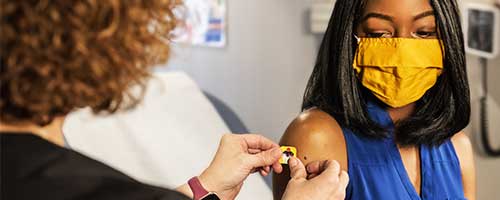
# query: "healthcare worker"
57,56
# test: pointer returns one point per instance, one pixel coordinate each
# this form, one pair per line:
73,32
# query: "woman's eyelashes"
424,34
378,34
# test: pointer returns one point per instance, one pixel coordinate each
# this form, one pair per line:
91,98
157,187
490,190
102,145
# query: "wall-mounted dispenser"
482,38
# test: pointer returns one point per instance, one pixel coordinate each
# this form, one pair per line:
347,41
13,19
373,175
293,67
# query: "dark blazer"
33,168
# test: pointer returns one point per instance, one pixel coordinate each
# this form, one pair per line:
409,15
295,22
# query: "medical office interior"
252,79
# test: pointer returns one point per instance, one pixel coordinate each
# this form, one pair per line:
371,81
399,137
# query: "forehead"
398,7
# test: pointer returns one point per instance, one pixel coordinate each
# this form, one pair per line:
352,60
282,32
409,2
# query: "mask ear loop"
357,38
358,75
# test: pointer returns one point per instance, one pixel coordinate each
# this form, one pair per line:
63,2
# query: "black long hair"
333,87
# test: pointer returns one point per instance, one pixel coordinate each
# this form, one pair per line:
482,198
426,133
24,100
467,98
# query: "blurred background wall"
263,71
270,53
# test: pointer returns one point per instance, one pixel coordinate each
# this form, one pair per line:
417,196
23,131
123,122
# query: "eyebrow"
423,15
377,15
391,19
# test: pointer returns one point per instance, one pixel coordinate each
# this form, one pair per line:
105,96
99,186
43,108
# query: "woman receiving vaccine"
389,98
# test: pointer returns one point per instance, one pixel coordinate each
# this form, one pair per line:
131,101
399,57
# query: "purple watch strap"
198,190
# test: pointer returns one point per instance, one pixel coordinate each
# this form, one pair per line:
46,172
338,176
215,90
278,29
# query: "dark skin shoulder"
317,136
465,154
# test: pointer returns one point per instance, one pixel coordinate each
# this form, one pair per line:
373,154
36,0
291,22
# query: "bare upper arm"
317,136
465,154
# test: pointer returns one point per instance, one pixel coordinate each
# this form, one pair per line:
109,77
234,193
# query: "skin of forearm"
184,189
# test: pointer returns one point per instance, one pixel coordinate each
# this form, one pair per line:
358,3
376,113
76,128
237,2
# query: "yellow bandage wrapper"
287,153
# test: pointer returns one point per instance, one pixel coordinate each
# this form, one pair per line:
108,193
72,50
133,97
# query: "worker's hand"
327,183
237,157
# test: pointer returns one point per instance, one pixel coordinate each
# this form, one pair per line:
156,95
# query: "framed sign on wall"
202,23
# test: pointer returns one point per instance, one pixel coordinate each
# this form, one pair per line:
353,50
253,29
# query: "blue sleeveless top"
376,170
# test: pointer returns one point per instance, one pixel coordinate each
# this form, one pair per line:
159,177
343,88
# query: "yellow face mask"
398,70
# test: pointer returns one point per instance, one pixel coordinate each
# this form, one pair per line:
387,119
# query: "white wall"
263,71
487,169
270,54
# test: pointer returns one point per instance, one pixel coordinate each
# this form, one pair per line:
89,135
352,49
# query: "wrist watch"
199,192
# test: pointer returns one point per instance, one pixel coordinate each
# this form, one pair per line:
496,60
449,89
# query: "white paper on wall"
203,23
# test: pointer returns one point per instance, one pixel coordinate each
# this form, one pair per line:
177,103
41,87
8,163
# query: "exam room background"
262,73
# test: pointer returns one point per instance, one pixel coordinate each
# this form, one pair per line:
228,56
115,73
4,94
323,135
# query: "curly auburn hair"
59,55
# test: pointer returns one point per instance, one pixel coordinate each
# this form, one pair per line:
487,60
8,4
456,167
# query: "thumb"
297,169
265,158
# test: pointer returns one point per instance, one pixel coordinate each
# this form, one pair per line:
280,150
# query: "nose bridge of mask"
398,52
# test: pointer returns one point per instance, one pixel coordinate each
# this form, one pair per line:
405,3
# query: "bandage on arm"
316,136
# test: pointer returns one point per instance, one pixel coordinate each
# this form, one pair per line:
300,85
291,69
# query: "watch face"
210,197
